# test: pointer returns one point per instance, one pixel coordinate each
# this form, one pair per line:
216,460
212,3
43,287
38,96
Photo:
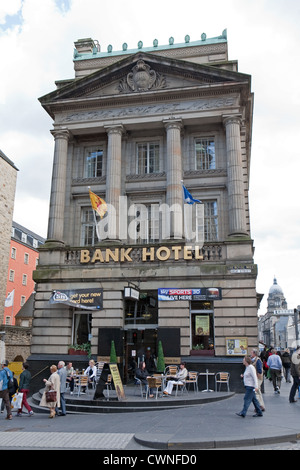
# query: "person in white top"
179,378
91,371
251,385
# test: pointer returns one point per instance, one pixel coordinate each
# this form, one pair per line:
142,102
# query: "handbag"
50,396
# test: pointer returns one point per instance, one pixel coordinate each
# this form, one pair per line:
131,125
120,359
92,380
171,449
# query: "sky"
37,42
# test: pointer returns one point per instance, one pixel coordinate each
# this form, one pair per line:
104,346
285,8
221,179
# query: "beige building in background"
132,126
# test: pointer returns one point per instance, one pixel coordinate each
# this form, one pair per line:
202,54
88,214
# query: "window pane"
88,229
93,164
210,221
147,158
205,154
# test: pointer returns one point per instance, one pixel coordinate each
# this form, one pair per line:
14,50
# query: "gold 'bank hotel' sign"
121,255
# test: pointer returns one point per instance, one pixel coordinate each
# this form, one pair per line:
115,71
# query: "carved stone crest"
141,78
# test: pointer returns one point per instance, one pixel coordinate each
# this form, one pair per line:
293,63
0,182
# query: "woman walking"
53,383
251,386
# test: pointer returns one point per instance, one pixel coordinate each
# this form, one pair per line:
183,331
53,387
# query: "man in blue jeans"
275,365
251,385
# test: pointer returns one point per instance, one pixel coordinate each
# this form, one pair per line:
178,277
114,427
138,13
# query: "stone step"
85,404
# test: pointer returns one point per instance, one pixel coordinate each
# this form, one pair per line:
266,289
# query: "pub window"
143,311
13,253
26,258
24,279
11,275
205,154
202,326
94,164
147,158
88,228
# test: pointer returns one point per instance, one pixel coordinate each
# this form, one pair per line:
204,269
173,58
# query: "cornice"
146,98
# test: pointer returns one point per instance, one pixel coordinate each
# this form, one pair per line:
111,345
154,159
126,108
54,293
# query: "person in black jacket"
24,383
141,373
286,362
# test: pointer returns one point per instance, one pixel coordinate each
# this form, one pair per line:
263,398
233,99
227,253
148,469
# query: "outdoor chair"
171,370
222,378
180,385
138,386
82,383
153,382
192,378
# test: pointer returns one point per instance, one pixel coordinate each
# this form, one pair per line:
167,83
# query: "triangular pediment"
143,73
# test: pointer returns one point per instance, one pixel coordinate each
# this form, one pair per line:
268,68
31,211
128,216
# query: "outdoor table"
207,373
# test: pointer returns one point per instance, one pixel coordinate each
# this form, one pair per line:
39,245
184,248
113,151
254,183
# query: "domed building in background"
276,299
276,325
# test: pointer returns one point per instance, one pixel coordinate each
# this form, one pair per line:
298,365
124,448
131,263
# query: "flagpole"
96,225
95,220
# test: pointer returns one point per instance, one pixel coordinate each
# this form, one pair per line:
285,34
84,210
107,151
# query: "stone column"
58,186
113,179
236,190
174,176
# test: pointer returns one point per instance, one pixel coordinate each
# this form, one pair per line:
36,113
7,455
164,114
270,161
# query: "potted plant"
80,349
198,350
113,355
160,358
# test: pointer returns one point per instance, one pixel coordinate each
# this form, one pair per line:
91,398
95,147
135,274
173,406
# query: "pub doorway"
140,326
140,345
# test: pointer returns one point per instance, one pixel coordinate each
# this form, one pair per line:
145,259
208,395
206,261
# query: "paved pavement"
206,426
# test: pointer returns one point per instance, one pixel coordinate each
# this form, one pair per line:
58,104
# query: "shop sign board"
117,381
87,299
236,346
201,293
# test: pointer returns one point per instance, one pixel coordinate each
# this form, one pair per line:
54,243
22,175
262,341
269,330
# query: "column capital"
232,119
173,123
62,133
115,129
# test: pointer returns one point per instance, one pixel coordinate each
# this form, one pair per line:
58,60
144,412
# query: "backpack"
10,383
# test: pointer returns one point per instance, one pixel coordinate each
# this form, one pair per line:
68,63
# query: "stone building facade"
131,127
8,180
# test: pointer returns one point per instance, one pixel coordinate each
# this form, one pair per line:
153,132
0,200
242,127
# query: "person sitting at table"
91,371
178,378
141,373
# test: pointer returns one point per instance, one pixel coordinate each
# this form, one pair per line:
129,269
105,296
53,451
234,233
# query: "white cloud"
8,8
37,41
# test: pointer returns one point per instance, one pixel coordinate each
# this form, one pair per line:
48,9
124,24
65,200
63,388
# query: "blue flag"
188,198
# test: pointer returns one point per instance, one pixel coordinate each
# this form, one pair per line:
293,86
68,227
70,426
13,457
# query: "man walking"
61,370
5,376
275,364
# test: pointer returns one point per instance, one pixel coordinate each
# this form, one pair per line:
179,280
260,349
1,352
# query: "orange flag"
98,204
